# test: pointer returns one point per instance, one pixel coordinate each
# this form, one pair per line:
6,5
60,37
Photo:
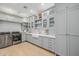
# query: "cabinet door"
74,46
8,40
73,17
28,37
24,37
60,21
45,42
39,41
60,45
35,40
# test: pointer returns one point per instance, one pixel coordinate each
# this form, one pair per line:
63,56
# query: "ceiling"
26,8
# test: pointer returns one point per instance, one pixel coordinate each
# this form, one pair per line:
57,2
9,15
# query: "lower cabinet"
24,37
28,37
35,40
74,46
67,45
42,41
61,45
48,43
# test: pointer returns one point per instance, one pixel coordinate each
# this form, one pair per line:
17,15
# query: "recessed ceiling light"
42,4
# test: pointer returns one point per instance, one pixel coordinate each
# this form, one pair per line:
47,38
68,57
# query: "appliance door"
2,41
16,38
8,40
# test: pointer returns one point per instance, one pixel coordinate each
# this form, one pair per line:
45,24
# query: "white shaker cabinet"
73,19
48,43
74,46
24,37
67,29
28,37
60,22
61,45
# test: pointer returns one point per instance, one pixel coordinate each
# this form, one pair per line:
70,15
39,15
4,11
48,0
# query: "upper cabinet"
38,23
73,19
51,22
35,17
60,20
45,14
51,17
52,11
44,23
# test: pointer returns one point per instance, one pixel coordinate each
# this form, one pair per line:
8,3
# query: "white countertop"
50,36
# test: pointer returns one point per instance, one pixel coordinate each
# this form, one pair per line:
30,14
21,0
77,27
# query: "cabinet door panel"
73,17
28,37
60,22
39,41
24,37
45,42
74,46
60,45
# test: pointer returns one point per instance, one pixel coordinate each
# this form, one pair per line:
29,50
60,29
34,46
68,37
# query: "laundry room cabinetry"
60,30
60,21
73,17
42,41
48,43
67,29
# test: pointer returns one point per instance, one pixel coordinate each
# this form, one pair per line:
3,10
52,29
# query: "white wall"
9,26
